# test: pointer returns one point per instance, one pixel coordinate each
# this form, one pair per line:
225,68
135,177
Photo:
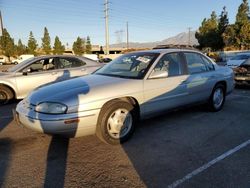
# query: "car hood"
235,62
84,90
5,74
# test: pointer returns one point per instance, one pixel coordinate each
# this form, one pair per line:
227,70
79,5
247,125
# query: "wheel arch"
224,83
133,101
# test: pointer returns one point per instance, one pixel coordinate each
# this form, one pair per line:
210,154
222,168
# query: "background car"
19,80
134,86
105,60
2,60
242,73
22,58
237,60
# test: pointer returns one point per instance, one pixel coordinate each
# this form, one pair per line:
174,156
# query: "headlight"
51,108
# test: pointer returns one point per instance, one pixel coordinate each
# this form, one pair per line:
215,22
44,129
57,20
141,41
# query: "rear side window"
170,63
70,63
197,64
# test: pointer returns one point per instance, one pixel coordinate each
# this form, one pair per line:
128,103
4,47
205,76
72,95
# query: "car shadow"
5,156
56,162
6,117
159,164
242,87
58,148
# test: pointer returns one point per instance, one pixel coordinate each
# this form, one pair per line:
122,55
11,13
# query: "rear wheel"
217,98
116,122
5,95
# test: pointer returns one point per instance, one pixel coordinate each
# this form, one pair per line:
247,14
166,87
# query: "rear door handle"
54,73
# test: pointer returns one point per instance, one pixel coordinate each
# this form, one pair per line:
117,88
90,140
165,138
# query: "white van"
22,58
3,60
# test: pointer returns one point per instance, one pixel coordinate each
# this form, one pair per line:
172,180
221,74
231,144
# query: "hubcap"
218,97
119,123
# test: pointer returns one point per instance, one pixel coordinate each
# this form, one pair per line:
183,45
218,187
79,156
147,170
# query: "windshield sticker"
143,59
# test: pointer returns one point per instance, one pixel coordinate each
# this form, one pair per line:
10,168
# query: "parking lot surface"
186,148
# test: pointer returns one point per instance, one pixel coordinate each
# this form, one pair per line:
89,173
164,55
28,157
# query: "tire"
5,95
217,98
111,128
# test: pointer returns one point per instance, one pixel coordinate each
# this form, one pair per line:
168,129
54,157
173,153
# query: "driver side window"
171,63
41,66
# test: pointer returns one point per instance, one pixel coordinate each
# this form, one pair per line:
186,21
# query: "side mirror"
26,71
158,74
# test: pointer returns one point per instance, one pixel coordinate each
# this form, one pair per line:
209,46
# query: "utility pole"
189,36
127,37
1,23
107,26
119,35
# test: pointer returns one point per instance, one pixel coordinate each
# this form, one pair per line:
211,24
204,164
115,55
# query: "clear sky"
151,20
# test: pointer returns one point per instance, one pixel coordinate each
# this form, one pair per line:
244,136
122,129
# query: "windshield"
20,65
241,57
133,66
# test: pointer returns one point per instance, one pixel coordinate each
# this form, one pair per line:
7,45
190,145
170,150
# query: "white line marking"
6,117
209,164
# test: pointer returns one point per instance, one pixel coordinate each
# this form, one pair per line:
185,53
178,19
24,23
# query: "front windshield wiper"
114,75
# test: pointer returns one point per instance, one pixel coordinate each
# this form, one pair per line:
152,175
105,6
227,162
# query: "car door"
36,74
70,67
201,78
166,92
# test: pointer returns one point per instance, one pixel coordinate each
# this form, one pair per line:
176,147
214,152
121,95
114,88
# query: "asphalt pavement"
186,148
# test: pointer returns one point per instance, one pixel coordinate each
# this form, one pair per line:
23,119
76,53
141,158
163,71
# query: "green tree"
244,36
32,44
58,47
46,41
241,24
88,46
20,48
78,46
222,25
7,44
207,34
229,36
243,13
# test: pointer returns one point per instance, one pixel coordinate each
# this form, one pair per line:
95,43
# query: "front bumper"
82,123
242,80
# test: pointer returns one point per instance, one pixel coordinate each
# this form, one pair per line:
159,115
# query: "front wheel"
116,122
217,98
5,95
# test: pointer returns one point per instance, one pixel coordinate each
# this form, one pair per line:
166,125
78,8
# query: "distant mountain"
180,39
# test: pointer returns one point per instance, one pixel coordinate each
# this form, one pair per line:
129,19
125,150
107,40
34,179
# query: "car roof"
51,56
68,56
163,51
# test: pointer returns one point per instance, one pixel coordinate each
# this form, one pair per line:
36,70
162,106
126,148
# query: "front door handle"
54,73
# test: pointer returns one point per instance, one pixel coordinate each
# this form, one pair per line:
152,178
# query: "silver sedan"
135,86
19,80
